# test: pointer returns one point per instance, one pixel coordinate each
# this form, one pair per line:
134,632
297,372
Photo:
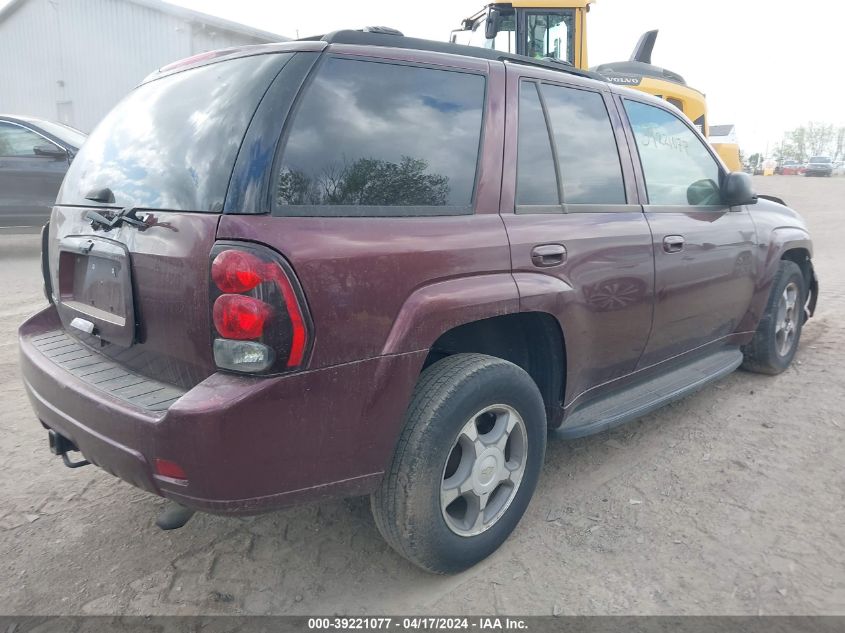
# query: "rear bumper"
246,444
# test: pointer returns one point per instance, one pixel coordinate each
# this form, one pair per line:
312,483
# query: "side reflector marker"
167,468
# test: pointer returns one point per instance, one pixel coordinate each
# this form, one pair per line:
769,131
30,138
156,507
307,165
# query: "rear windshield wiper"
126,215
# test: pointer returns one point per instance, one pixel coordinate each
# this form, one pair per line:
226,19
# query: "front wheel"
466,464
776,340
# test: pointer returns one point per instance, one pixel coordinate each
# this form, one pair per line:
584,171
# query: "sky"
766,66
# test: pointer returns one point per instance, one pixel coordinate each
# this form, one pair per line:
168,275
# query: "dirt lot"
731,502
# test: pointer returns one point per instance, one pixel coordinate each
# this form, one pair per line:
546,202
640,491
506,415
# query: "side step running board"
642,398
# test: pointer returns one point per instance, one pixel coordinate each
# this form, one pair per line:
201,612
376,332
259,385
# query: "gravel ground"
728,502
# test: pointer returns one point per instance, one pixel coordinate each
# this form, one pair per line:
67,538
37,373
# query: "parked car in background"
34,156
790,168
819,166
256,300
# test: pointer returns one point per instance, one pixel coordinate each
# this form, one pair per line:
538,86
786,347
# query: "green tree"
813,139
366,181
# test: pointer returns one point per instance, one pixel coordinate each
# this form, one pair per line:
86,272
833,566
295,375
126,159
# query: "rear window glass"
373,138
171,143
586,148
536,179
820,159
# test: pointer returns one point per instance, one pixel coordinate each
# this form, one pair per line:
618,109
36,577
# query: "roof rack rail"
385,36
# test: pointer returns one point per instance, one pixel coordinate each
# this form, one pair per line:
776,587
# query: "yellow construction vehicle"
557,29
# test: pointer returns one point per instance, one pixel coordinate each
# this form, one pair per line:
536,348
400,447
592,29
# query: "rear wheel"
466,464
776,340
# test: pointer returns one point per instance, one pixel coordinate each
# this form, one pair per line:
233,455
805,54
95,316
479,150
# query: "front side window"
18,141
65,133
550,34
586,147
369,138
677,167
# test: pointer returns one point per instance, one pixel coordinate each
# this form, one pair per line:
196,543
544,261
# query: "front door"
580,245
703,250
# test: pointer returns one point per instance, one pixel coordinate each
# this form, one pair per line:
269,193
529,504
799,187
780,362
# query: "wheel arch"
533,341
802,257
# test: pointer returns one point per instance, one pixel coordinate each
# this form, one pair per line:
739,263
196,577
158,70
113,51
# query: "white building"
722,134
72,60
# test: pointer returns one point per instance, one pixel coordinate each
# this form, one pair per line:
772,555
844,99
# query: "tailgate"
140,297
135,222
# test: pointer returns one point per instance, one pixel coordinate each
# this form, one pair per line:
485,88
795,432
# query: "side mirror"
50,150
703,193
491,27
737,190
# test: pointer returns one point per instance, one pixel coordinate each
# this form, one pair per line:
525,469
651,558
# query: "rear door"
703,249
136,287
29,180
575,226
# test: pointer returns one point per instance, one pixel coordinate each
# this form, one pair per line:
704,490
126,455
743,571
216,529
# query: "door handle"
673,243
548,255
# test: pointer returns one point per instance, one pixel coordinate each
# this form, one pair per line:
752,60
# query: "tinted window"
586,148
370,134
536,181
172,143
819,159
18,141
678,168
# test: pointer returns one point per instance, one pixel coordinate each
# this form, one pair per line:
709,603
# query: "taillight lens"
258,312
239,317
236,271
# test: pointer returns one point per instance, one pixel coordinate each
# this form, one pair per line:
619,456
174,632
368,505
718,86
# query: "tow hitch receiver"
60,445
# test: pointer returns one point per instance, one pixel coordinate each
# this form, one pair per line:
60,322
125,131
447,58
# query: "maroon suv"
371,265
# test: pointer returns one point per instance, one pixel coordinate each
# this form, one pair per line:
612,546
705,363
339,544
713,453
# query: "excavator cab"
544,29
557,29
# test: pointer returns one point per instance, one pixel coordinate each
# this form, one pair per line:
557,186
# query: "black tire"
763,354
407,506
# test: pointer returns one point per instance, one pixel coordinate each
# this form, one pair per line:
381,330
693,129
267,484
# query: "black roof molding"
381,37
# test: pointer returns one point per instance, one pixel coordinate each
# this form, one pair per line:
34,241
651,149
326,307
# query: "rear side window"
171,143
586,147
372,138
536,180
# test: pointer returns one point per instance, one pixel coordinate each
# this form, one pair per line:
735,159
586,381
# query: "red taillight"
167,468
236,271
240,317
255,299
